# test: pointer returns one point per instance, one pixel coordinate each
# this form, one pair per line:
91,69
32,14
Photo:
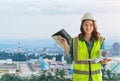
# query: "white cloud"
32,10
41,18
35,7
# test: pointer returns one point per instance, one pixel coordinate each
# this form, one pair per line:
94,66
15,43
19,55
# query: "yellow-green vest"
83,68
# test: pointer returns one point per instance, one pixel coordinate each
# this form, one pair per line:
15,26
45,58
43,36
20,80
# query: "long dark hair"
95,34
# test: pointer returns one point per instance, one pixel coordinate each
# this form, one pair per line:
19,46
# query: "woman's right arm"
69,55
64,43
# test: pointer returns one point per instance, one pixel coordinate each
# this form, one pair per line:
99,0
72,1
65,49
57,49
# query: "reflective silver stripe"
86,72
101,40
86,62
75,50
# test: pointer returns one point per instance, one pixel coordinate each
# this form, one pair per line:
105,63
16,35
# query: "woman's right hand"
63,41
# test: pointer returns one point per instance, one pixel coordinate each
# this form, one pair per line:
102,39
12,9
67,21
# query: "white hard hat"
89,16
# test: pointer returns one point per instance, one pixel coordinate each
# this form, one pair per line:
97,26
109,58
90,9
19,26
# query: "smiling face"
88,27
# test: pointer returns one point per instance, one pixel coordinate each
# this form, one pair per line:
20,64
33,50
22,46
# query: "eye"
85,25
91,24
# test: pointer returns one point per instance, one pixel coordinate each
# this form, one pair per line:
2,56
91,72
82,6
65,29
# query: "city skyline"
39,19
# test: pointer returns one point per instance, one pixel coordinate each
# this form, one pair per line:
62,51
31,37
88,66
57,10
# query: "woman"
86,46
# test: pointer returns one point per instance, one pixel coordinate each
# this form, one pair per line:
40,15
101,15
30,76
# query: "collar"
84,39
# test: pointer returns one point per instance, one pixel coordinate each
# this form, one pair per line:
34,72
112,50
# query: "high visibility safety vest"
84,69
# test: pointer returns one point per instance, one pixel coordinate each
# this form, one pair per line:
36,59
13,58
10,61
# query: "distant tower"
17,65
54,59
19,48
116,48
62,59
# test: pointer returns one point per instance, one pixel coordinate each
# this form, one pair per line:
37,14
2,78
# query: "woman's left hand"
105,61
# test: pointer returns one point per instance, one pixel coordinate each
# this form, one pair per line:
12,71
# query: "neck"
88,37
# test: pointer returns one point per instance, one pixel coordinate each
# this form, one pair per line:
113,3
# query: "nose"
87,27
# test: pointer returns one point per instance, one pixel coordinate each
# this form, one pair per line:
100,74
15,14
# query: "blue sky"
39,19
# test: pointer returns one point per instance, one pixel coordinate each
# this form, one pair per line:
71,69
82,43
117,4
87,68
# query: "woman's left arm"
104,52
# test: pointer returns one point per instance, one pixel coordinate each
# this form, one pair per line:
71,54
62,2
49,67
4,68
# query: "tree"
10,77
108,74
